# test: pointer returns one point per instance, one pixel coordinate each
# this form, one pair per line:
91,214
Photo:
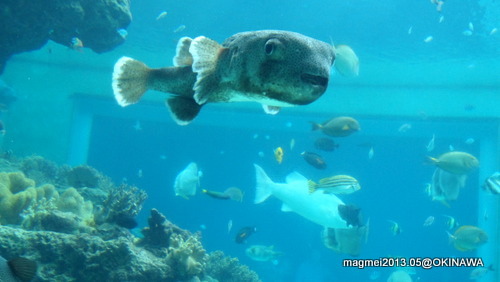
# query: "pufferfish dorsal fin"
205,54
182,55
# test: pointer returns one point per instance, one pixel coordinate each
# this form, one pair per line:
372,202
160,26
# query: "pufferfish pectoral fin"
205,54
183,109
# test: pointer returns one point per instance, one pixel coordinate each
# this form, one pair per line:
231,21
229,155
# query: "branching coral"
187,257
123,201
228,269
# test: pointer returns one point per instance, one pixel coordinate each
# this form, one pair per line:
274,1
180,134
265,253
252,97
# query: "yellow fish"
468,238
278,154
456,162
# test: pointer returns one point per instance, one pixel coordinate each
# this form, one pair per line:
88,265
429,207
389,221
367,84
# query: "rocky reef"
70,221
28,25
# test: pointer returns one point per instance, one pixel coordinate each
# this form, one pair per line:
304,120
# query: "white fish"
139,173
404,127
429,221
319,208
428,39
371,152
471,26
430,145
467,32
410,30
187,181
137,125
441,19
292,144
161,15
470,141
346,61
493,31
180,28
229,225
451,147
399,276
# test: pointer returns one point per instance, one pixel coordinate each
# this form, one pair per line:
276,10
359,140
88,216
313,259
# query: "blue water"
392,181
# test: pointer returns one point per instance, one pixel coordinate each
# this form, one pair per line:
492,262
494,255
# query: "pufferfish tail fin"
205,54
130,80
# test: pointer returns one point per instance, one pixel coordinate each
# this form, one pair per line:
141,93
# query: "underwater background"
447,87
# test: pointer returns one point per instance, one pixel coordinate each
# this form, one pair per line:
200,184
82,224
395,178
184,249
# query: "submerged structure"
74,222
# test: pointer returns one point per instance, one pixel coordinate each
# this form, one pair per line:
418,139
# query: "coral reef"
157,234
228,269
186,257
83,176
26,26
39,169
123,201
18,193
73,237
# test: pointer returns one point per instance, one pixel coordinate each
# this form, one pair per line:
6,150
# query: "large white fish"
319,208
187,181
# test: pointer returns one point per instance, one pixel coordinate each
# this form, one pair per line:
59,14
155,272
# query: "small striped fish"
338,184
492,184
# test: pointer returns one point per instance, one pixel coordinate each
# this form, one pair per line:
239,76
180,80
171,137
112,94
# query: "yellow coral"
71,201
17,193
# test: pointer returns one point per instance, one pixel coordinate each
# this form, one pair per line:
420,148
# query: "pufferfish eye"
271,46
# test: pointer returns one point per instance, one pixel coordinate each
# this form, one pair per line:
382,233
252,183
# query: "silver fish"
430,145
492,183
272,67
187,181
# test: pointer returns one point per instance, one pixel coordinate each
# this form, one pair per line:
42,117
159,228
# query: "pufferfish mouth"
314,79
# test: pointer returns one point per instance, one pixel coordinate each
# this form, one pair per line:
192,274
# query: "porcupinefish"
17,269
272,67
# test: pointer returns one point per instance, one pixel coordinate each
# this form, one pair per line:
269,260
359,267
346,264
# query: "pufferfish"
272,67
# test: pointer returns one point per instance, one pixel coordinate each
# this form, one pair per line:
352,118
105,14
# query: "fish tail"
315,126
312,186
130,80
431,160
263,187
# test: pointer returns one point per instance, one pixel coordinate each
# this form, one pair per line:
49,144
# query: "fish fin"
315,126
130,80
182,55
312,186
205,54
23,268
182,109
345,127
431,160
263,186
271,110
286,208
295,177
